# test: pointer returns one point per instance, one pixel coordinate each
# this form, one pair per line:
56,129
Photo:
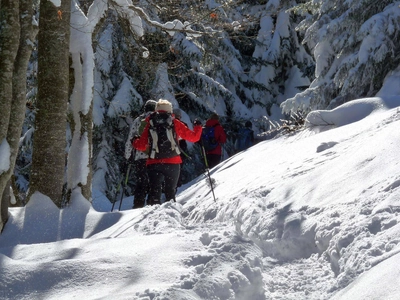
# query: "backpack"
137,128
244,138
162,136
208,138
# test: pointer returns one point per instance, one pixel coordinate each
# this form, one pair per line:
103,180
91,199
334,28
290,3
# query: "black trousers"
159,174
141,183
213,160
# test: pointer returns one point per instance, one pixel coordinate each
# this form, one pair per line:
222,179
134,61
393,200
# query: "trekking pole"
184,153
115,200
208,170
124,186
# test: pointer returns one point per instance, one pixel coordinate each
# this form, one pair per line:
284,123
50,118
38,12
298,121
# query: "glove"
197,122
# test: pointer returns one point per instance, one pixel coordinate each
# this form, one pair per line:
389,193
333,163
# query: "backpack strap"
154,136
171,138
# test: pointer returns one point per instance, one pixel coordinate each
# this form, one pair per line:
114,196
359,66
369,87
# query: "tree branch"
169,26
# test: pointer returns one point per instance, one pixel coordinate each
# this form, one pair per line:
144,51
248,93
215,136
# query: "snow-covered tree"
355,45
212,59
79,166
116,99
281,63
203,57
247,62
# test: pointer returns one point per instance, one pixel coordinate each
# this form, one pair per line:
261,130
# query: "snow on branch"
170,27
293,124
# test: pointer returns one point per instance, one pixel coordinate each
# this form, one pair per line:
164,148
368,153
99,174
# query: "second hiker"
212,138
160,137
139,157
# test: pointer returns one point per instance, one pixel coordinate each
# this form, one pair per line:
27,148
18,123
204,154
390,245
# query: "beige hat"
164,105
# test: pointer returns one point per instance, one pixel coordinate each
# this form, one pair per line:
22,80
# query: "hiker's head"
150,105
214,116
248,124
164,105
178,113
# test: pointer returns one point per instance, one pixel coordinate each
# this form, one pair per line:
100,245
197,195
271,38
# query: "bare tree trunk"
4,208
87,126
49,140
17,113
9,42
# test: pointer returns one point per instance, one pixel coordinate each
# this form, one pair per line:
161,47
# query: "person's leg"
213,160
156,178
182,176
142,183
171,176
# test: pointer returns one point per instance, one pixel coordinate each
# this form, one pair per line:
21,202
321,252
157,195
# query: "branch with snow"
170,27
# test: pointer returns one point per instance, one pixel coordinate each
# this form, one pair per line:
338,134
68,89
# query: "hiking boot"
153,202
138,204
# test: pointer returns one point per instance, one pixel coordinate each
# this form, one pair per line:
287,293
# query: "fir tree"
355,45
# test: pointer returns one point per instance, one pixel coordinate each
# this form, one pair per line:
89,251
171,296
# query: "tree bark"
17,113
49,140
87,127
9,42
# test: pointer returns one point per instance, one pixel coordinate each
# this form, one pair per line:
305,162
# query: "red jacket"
220,136
182,132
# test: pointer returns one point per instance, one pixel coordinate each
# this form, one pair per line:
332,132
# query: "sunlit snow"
311,216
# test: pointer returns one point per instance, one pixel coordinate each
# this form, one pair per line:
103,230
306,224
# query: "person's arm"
185,133
142,142
128,144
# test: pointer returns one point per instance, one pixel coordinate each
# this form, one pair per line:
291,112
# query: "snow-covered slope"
311,216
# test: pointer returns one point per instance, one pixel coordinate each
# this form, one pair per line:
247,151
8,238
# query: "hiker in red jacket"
161,138
214,156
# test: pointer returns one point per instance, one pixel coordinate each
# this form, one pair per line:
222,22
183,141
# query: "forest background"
73,75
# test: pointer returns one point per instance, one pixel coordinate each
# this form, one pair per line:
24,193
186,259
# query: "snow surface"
311,216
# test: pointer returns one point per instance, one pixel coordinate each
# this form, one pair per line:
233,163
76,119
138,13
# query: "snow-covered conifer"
355,45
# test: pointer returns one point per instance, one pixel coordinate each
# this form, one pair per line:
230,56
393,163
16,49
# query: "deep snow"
309,216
